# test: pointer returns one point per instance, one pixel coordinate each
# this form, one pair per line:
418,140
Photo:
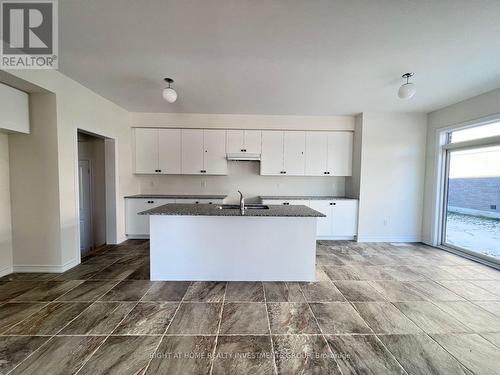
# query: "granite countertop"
304,197
177,196
181,209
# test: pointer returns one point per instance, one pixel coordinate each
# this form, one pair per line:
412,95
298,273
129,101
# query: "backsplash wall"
244,176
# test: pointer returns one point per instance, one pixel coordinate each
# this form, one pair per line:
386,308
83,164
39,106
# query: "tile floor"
376,308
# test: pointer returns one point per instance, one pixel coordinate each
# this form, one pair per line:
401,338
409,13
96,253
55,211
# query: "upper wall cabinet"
204,151
283,153
247,141
157,151
14,110
329,153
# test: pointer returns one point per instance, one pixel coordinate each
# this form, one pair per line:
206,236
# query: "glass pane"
473,209
477,132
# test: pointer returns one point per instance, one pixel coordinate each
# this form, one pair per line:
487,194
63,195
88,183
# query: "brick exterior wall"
475,193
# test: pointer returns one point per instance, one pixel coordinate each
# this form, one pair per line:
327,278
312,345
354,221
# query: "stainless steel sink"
247,207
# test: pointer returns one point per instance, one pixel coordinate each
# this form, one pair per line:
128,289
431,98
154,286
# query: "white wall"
35,188
76,107
352,184
14,110
392,177
457,115
5,211
242,175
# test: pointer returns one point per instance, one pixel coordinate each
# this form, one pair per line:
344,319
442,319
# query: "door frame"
445,148
91,209
111,186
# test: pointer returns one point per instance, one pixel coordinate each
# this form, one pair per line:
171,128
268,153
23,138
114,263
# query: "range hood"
242,156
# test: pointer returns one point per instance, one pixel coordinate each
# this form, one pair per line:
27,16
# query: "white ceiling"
317,57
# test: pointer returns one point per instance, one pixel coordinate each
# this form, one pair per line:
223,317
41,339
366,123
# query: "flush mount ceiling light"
408,89
169,94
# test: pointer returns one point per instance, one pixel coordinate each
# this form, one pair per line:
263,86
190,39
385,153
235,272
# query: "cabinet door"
146,150
169,151
294,153
138,225
215,161
192,151
272,153
345,218
340,146
324,224
235,141
316,153
253,141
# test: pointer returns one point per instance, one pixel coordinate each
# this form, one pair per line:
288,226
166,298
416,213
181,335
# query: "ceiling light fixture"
169,94
408,89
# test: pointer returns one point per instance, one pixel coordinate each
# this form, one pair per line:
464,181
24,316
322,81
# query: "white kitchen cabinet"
214,160
272,153
294,147
192,151
324,224
157,151
345,218
283,153
169,151
200,201
247,141
340,146
204,151
253,141
316,153
341,221
137,226
235,141
146,151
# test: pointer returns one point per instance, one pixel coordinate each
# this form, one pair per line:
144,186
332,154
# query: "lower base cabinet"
341,221
137,226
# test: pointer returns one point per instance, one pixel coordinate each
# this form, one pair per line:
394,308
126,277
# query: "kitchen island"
217,243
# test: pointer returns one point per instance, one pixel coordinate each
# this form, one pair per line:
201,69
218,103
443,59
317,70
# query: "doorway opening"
471,207
92,192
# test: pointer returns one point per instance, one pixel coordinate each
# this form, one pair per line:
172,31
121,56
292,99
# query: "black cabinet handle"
151,201
196,202
242,150
283,172
203,171
286,203
332,203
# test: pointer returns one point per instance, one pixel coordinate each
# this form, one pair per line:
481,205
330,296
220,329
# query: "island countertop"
180,209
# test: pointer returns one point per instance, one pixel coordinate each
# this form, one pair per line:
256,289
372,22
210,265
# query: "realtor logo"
29,34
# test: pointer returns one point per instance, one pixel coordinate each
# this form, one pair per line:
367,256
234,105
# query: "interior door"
214,160
294,153
272,153
192,151
85,200
253,141
146,151
316,153
340,145
169,151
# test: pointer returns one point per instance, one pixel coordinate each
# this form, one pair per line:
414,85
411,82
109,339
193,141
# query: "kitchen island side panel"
207,248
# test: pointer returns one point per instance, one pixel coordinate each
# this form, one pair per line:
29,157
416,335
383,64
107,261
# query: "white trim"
6,271
45,267
336,238
388,238
473,143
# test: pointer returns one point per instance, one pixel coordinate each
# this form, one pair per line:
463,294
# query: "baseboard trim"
30,268
336,238
137,237
6,271
389,238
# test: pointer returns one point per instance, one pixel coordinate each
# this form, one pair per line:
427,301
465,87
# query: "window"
484,131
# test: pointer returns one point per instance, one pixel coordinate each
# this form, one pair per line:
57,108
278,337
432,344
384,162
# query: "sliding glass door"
471,219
